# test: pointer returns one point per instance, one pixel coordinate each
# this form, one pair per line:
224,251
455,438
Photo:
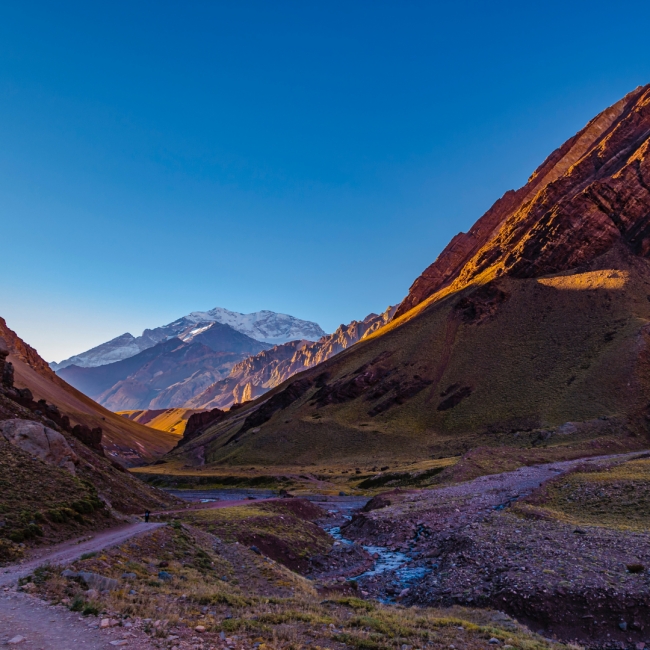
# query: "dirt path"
72,550
47,627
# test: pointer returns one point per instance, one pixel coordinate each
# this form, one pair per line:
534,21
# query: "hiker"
146,516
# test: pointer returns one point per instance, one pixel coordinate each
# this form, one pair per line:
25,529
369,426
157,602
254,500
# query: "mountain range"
168,374
257,374
210,365
263,326
531,329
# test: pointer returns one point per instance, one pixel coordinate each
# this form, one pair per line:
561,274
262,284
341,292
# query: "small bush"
83,507
32,530
9,551
202,561
42,574
90,609
56,516
356,603
77,604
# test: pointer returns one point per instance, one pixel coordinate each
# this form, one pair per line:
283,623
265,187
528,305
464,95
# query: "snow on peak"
265,326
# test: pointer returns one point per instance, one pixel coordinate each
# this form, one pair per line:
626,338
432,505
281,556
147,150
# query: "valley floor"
228,574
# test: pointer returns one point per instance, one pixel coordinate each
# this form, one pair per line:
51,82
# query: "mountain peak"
264,326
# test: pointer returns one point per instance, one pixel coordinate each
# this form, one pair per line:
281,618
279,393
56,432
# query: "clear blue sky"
306,157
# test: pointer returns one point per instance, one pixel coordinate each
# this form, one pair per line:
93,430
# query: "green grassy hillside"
557,361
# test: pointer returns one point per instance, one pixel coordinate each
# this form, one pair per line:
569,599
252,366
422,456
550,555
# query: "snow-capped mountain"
264,326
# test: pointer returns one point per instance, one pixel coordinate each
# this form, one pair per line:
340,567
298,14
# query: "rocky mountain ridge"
587,195
263,326
168,374
37,388
257,374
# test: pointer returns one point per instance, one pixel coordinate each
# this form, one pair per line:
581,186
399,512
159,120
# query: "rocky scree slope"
257,374
34,383
262,326
167,375
529,331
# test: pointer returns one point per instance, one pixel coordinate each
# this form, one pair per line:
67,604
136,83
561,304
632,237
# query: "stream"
341,507
395,562
387,561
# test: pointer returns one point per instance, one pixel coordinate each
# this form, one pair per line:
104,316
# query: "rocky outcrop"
587,195
40,441
24,352
198,422
260,373
5,370
90,437
92,580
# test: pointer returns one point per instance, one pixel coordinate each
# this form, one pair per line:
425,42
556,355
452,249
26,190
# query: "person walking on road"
146,516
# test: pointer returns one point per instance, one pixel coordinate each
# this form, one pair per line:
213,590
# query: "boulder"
40,441
93,580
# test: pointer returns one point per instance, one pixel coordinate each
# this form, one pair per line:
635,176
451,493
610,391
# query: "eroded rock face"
40,441
198,422
4,352
260,373
587,196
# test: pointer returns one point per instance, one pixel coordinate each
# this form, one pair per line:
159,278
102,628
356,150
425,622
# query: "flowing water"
225,494
386,560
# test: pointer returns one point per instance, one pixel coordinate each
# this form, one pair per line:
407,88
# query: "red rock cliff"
588,194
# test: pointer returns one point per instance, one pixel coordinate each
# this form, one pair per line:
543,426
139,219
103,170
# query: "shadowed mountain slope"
530,330
168,374
257,374
133,443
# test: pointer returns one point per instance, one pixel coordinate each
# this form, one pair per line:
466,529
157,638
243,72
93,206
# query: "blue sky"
306,157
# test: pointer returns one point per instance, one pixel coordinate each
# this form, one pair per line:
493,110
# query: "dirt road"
72,550
45,627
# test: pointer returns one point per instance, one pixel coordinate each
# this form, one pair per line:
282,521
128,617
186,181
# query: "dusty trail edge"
68,552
